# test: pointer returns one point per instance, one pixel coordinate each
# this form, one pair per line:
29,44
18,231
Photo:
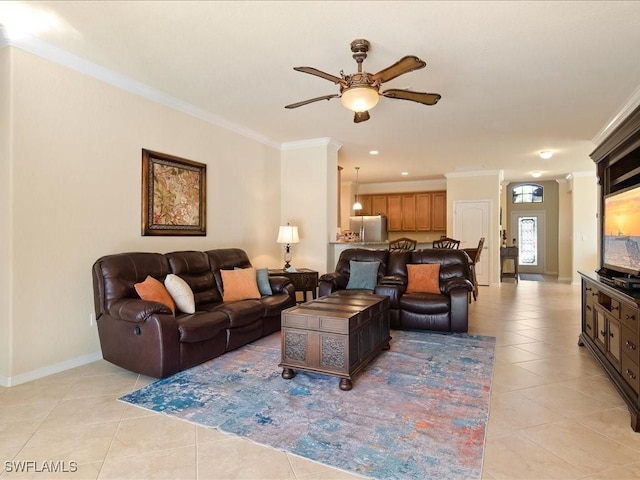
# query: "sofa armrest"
394,292
279,284
333,281
136,310
457,283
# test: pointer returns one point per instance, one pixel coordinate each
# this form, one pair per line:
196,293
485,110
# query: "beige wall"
6,236
585,224
76,196
565,231
309,200
476,187
550,207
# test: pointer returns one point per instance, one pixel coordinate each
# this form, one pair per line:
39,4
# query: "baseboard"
565,279
50,370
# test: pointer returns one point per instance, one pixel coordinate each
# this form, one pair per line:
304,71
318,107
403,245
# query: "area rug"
418,411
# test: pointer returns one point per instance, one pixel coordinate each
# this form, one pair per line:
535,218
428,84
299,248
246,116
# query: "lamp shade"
360,99
288,234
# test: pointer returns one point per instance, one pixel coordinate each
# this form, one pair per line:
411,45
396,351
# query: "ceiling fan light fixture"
360,98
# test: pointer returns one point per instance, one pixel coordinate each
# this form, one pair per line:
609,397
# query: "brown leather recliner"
446,311
146,338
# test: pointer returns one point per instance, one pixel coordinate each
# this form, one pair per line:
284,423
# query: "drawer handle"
616,307
603,333
630,345
630,374
629,317
588,289
611,334
589,307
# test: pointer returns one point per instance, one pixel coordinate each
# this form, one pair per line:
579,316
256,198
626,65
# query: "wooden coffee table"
335,335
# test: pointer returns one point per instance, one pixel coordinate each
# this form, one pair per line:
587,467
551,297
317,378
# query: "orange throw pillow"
154,291
239,284
423,278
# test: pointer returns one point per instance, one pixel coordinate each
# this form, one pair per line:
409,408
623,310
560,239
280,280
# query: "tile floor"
553,413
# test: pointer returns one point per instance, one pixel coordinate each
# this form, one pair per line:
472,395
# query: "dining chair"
446,242
474,258
403,243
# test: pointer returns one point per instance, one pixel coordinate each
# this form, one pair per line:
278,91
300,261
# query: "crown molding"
476,173
312,142
62,57
625,110
584,173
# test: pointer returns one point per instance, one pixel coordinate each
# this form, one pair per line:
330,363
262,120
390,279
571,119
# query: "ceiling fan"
360,91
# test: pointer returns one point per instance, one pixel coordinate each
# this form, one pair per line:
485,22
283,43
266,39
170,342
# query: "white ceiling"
515,77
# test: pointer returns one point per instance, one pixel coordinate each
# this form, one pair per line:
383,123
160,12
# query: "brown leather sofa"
146,338
447,311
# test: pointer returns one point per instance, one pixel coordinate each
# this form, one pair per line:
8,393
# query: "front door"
528,228
471,222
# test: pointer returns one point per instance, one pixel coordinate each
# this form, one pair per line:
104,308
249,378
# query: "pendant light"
357,206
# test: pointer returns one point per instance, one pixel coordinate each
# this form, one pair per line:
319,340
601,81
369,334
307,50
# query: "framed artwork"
173,195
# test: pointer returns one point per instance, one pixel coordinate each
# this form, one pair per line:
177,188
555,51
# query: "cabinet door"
409,212
365,200
613,341
394,213
439,211
379,205
423,212
601,328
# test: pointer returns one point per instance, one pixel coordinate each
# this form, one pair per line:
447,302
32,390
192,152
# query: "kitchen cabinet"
423,212
439,211
379,204
365,200
408,212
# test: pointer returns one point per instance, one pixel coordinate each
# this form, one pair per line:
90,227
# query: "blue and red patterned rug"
418,411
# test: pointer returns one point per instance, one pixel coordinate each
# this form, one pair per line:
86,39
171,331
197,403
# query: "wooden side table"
304,280
509,253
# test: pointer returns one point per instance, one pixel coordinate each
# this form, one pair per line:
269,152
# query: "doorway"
528,230
472,221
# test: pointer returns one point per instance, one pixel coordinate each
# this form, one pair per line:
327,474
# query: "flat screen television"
621,232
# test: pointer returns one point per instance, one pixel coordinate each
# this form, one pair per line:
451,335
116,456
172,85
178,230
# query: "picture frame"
173,195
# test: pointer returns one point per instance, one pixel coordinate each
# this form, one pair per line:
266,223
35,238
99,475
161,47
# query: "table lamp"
287,235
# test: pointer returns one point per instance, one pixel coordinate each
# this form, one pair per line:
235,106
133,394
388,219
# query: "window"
528,193
528,235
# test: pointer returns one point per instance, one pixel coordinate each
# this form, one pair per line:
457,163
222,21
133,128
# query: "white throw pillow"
181,293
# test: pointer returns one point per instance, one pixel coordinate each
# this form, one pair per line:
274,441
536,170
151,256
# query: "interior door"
528,230
472,221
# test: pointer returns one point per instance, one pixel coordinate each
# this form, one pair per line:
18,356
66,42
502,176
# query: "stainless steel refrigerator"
372,228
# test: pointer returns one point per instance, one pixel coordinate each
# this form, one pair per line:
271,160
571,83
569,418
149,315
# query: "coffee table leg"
345,384
288,374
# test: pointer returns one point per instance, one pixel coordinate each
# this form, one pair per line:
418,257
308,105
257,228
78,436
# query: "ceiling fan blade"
319,73
311,100
425,98
404,65
361,117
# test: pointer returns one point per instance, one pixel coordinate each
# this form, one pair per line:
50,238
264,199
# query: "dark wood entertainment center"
611,314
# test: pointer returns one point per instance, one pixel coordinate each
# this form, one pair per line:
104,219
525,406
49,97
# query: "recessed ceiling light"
404,173
536,174
546,154
374,152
